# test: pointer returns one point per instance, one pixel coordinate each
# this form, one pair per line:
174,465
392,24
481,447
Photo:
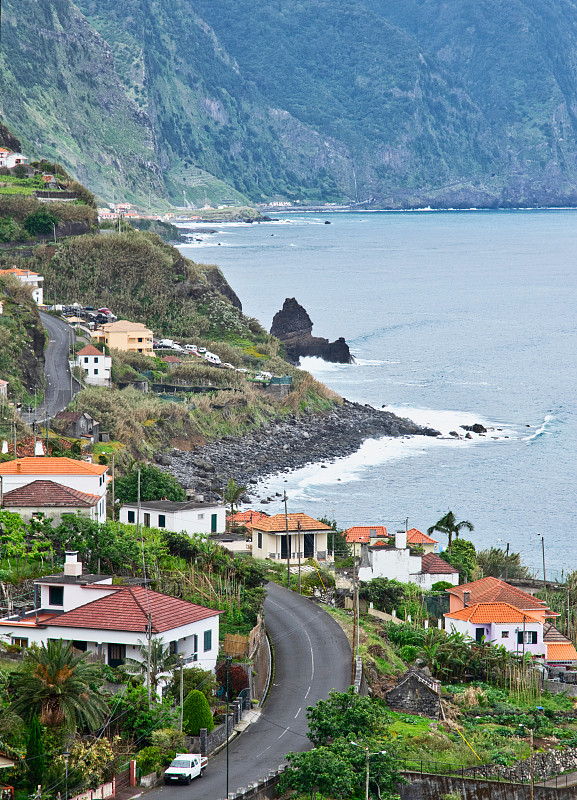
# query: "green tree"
463,557
345,714
40,222
496,563
154,485
134,719
161,661
320,770
196,713
449,525
35,753
60,687
193,678
232,494
385,594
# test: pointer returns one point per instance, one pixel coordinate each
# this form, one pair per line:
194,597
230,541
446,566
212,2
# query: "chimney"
401,540
466,598
18,467
38,448
72,566
4,447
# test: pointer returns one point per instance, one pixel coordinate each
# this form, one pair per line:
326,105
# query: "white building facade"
189,516
96,365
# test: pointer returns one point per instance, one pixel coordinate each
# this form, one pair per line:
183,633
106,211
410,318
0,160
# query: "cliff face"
293,326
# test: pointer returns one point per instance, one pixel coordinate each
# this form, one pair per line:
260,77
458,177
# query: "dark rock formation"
476,428
293,326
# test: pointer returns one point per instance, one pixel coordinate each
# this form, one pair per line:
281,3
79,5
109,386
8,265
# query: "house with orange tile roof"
494,590
124,335
245,519
111,621
91,479
419,539
500,624
280,536
362,534
96,364
31,279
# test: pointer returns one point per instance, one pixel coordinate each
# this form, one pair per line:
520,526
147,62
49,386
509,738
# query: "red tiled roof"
127,610
247,518
90,350
172,360
48,465
493,590
433,564
561,652
277,523
492,613
415,536
362,533
48,494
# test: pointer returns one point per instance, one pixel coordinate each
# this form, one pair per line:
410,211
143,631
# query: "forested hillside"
420,102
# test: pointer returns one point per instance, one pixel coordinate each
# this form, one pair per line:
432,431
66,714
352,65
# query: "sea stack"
293,326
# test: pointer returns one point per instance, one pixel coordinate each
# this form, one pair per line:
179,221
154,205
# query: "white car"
202,349
191,347
185,767
212,358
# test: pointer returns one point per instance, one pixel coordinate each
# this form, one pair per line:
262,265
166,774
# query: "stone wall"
545,766
207,743
432,787
414,696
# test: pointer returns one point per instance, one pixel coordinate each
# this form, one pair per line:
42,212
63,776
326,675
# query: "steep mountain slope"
418,102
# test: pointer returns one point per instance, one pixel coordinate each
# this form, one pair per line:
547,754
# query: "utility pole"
568,612
149,660
507,564
367,776
299,551
113,490
355,619
531,775
227,659
181,692
288,547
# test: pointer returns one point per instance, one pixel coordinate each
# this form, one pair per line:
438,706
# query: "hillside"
21,341
407,103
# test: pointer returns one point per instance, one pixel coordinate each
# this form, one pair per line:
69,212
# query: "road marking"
283,733
307,694
298,712
264,751
312,655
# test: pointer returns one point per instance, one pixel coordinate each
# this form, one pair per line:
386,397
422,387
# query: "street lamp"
540,535
368,755
66,756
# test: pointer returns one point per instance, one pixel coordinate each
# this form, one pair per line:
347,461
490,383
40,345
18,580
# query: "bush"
197,714
237,679
169,741
149,759
11,231
40,222
440,586
409,653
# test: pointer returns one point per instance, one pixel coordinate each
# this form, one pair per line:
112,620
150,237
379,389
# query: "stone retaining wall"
545,765
432,787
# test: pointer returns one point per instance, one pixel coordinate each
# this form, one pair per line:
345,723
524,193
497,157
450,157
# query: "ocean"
453,318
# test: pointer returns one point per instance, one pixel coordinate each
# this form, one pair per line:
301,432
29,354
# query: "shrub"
169,741
440,586
40,222
149,759
237,679
409,652
196,713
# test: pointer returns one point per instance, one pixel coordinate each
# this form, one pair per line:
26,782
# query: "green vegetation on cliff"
21,341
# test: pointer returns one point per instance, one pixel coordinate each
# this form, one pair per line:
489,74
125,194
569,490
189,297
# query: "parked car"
202,349
191,347
185,767
212,358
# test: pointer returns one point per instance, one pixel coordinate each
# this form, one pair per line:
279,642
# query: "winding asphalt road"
57,394
312,656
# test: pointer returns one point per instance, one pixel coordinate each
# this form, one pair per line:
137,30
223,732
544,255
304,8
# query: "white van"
212,358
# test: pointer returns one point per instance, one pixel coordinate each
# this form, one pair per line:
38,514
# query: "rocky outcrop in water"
293,326
283,446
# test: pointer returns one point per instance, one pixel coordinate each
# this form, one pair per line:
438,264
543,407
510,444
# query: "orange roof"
47,465
278,523
561,652
491,590
363,533
247,518
486,613
17,271
90,350
415,536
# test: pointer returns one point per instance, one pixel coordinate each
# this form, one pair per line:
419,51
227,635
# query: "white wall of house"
74,594
426,580
393,564
97,369
193,520
54,513
493,633
269,545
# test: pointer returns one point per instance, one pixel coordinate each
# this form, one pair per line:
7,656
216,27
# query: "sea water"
453,318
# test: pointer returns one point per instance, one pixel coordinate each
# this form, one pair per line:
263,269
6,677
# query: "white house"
51,500
95,364
13,159
112,621
189,516
307,537
500,623
88,478
400,563
30,279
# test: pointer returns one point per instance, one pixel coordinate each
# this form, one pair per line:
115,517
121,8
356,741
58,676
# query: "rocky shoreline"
284,446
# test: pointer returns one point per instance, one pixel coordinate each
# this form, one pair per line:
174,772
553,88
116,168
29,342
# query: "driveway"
312,656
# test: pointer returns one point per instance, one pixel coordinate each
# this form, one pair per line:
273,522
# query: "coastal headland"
286,445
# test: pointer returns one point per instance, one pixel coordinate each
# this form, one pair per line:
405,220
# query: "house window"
132,517
194,654
86,359
213,523
479,634
530,637
162,520
116,654
96,372
259,541
172,648
147,520
207,641
56,595
77,645
140,338
19,641
201,516
504,634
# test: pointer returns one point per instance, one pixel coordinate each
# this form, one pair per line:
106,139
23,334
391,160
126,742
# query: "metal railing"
486,772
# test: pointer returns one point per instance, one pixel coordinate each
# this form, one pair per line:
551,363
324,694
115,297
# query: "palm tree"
232,494
60,687
161,661
449,525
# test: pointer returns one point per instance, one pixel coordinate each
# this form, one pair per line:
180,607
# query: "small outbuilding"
416,693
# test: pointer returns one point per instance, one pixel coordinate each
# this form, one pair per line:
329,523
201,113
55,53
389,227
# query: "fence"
485,772
100,793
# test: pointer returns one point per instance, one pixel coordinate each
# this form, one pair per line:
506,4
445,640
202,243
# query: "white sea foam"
545,428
